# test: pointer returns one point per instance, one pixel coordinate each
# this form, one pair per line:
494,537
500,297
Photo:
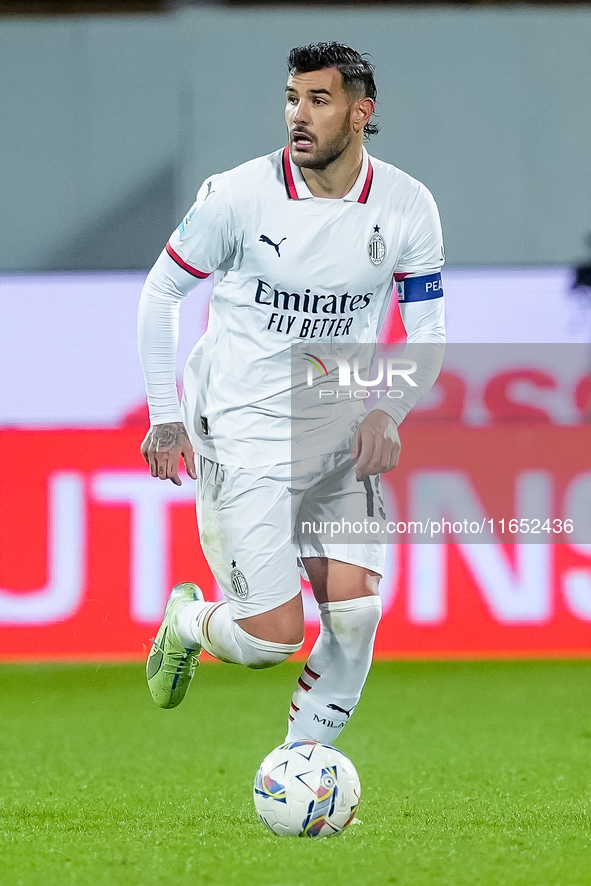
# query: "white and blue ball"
306,789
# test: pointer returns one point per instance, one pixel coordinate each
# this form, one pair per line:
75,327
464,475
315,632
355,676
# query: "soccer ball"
306,789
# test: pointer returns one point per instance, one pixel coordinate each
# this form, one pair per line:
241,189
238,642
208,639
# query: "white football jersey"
289,267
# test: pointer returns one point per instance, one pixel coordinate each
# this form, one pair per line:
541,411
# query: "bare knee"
285,624
334,580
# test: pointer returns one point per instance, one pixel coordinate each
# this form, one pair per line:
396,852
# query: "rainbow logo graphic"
317,363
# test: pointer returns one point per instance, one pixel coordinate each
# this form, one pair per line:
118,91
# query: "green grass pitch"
473,774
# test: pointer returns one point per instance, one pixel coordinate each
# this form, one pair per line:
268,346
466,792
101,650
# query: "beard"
330,152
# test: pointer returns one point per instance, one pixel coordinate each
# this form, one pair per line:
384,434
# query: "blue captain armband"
419,288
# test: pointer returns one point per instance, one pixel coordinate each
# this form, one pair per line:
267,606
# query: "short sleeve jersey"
289,267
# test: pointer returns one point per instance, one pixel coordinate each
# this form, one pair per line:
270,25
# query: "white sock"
184,620
335,673
211,626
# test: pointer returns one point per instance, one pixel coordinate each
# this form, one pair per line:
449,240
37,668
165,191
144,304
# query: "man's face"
318,117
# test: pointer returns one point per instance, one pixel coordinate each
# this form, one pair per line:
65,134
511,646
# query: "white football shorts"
250,521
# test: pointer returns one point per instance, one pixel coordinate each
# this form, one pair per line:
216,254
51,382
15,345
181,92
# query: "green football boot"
170,666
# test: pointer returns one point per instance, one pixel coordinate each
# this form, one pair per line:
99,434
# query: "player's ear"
362,113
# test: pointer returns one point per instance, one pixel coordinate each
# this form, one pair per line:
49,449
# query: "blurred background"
111,115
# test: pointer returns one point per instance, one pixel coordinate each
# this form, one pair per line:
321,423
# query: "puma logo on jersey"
264,239
335,707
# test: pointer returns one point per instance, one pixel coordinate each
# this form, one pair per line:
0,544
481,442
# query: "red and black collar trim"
290,187
367,184
292,191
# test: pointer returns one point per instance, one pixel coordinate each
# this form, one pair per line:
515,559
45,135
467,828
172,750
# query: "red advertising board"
91,544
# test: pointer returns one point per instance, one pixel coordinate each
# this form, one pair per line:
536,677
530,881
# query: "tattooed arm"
162,448
167,441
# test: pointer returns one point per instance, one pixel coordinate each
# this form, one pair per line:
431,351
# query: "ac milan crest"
376,247
239,583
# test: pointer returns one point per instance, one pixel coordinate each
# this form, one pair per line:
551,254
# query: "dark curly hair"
356,71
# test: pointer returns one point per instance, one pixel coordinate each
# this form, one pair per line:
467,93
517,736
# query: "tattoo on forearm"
165,437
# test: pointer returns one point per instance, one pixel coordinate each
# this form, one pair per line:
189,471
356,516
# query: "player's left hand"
376,444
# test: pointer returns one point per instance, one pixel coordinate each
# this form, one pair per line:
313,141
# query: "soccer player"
305,245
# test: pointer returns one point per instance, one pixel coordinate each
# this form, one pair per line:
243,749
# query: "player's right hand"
376,444
162,448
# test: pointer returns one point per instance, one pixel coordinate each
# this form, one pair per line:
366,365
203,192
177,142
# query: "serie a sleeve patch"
419,288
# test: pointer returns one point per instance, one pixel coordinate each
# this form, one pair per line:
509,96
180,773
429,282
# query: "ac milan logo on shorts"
239,584
377,249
